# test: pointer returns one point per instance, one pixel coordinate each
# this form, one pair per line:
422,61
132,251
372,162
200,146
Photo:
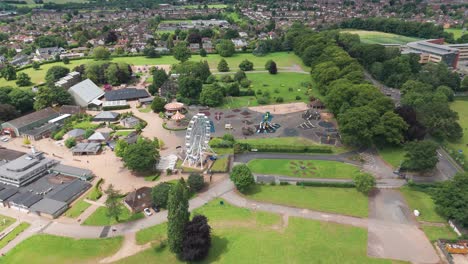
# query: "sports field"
377,37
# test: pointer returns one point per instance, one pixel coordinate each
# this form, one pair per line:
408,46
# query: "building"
86,93
21,125
86,149
121,104
146,101
79,173
463,48
130,122
48,53
99,137
9,154
139,199
106,116
76,133
25,169
126,94
69,80
435,51
49,208
20,60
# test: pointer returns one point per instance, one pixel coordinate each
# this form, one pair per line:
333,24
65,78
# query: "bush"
242,177
227,78
245,83
160,194
298,97
263,100
96,192
59,135
70,142
279,100
195,182
246,65
259,92
364,182
249,92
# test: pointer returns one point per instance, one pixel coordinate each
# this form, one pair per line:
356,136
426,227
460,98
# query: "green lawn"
77,208
240,235
377,37
437,232
85,125
304,168
95,192
221,164
13,234
283,141
100,218
461,107
286,85
123,132
393,155
41,249
145,109
457,32
422,202
346,201
5,222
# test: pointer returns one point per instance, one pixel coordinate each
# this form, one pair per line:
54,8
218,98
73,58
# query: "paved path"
129,248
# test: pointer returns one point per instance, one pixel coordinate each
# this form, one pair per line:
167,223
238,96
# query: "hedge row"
282,148
326,184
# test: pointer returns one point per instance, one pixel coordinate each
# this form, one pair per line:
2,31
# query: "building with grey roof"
76,133
130,121
85,92
86,148
126,94
9,154
99,137
5,194
106,116
49,208
18,126
434,50
22,201
70,191
82,174
69,80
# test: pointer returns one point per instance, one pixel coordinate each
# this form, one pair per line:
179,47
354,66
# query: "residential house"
91,148
239,44
194,47
20,60
207,45
139,199
99,137
48,53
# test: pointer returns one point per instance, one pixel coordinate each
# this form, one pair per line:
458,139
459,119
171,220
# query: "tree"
158,104
120,147
225,48
22,100
190,87
211,96
141,156
246,65
178,215
70,142
181,52
364,182
101,53
464,84
159,77
270,66
7,112
22,79
357,125
160,194
203,53
420,156
242,177
36,65
196,240
239,76
9,72
112,74
391,128
195,182
51,95
55,73
113,206
66,60
223,66
451,199
111,37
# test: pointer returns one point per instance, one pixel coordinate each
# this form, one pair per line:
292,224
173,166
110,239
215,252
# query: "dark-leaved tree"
197,239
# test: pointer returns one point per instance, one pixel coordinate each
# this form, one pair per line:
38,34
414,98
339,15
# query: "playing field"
461,107
422,202
304,168
377,37
457,32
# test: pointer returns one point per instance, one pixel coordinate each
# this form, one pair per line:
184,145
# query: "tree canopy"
141,156
178,216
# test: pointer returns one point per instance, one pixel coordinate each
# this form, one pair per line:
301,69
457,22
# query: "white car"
147,212
5,139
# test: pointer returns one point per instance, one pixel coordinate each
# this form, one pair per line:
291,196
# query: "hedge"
283,148
172,129
326,184
115,107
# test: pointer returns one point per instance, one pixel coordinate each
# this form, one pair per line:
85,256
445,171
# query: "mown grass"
77,208
5,221
100,217
438,232
13,234
221,164
377,37
461,107
393,155
421,201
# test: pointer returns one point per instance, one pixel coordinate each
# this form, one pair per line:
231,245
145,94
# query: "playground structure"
266,126
197,137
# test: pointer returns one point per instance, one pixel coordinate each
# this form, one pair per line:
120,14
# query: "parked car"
147,212
156,209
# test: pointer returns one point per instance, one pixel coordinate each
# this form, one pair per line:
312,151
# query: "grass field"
221,164
377,37
5,222
422,202
77,208
457,32
326,199
41,249
244,236
437,232
14,233
304,169
393,155
100,218
461,107
287,85
123,132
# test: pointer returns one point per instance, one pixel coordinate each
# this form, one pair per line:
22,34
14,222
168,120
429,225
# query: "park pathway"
128,248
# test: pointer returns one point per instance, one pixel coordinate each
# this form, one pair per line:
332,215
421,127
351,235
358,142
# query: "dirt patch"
281,109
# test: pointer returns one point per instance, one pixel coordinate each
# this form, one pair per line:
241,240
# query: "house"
86,149
76,133
86,93
106,116
146,101
99,137
139,199
48,53
126,94
239,43
21,125
194,47
19,60
130,122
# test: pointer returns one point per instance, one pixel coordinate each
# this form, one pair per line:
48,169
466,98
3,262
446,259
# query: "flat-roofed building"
18,126
435,51
463,48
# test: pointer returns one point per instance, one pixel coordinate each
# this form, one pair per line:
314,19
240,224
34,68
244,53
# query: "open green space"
213,6
14,233
303,168
241,235
346,201
290,86
439,232
221,164
461,107
100,217
457,32
393,155
41,249
279,141
377,37
77,208
421,201
96,191
123,132
5,221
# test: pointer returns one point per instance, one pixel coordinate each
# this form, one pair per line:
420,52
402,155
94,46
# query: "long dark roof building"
126,94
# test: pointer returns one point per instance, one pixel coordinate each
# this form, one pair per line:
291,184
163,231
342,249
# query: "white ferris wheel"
196,140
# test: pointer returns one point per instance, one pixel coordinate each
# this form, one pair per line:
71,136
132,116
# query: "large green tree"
158,104
211,96
51,95
160,194
420,156
55,73
159,77
178,215
8,72
190,87
22,79
141,156
101,53
22,100
242,177
225,48
451,199
357,125
113,204
181,52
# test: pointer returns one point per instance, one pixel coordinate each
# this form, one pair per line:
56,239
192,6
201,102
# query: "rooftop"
33,117
126,94
86,147
427,46
48,206
86,90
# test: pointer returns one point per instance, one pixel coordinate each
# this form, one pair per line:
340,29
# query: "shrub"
290,89
246,65
364,182
283,148
262,100
195,182
26,141
242,177
259,92
160,193
70,142
249,92
228,137
245,83
298,97
227,78
279,100
276,90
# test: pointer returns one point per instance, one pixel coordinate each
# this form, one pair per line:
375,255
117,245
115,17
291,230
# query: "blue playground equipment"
266,126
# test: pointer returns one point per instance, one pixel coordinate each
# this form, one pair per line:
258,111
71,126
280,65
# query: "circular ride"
197,138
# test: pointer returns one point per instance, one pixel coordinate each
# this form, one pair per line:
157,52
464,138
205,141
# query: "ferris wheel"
196,140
